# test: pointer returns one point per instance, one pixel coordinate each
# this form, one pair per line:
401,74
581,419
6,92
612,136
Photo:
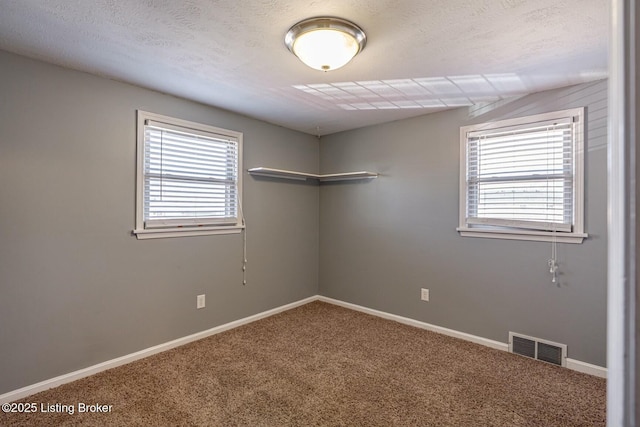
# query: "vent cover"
537,348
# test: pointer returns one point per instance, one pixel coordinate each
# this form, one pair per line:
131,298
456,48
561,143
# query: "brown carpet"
323,365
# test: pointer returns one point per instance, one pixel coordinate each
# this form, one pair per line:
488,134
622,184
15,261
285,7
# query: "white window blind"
524,174
188,177
522,177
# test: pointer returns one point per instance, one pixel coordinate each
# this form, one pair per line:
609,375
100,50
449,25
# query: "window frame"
143,231
577,234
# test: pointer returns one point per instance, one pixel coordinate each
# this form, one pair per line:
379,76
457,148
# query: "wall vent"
537,348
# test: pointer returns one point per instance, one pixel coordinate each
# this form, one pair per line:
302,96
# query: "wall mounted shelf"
302,176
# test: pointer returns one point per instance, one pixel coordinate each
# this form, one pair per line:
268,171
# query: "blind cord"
244,246
553,262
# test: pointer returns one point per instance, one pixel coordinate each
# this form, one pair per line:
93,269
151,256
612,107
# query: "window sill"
162,233
529,235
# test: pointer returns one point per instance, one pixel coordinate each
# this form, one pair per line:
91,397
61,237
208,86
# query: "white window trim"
577,235
165,232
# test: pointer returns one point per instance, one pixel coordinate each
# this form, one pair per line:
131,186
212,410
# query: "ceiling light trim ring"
325,23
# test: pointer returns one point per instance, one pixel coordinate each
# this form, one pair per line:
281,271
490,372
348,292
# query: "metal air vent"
538,349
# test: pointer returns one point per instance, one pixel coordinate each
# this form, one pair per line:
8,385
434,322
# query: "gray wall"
381,241
76,288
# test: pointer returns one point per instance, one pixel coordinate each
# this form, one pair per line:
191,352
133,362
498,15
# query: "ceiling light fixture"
325,43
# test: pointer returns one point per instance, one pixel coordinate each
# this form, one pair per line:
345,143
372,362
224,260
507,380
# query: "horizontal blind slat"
559,123
191,176
521,176
168,127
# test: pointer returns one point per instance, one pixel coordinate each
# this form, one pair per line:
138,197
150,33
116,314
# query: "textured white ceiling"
421,55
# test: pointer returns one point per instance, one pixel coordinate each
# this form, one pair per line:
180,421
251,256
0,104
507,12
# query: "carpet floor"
324,365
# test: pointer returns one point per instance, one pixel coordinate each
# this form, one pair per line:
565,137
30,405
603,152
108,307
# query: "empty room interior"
177,171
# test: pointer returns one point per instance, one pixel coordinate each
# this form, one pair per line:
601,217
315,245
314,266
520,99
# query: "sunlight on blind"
189,178
521,177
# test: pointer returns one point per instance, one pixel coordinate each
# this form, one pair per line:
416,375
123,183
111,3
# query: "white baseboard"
418,324
587,368
91,370
573,364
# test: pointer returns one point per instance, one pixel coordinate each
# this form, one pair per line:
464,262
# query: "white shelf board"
303,176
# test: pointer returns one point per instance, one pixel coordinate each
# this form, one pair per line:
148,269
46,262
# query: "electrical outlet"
424,294
200,301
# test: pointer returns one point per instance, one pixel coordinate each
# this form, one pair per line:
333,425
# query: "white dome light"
325,43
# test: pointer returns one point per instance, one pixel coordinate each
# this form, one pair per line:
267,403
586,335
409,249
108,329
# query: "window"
523,178
188,178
